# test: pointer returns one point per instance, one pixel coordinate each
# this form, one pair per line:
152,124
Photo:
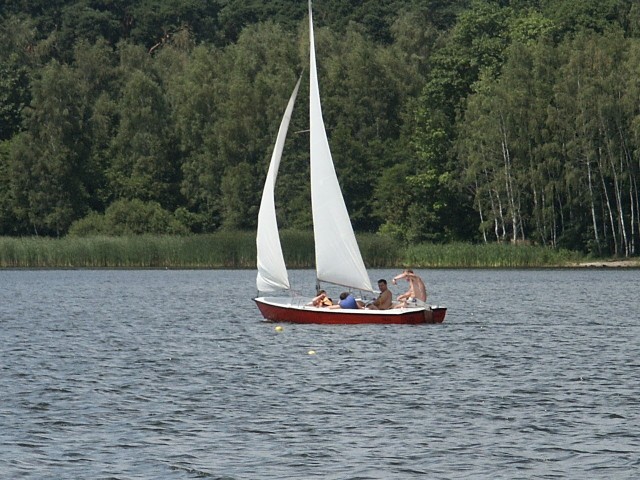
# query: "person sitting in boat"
384,300
347,301
417,293
322,300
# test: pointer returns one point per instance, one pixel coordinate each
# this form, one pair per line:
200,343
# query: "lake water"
172,375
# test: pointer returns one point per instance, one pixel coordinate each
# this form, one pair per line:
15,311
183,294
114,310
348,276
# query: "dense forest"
449,120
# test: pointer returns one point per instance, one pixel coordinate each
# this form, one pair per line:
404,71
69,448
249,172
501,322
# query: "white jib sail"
338,258
272,272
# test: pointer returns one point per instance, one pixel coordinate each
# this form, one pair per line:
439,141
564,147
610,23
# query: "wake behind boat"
338,258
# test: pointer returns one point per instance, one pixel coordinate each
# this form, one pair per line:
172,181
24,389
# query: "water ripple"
170,374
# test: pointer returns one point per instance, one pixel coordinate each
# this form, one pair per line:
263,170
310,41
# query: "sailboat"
338,258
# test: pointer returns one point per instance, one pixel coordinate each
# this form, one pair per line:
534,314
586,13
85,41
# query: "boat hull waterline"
279,309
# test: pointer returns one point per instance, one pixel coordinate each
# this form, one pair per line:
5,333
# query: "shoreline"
596,264
631,263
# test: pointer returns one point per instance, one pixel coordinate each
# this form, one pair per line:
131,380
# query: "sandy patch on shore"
631,263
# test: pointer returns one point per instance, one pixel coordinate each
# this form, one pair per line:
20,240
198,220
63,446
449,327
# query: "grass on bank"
488,255
237,250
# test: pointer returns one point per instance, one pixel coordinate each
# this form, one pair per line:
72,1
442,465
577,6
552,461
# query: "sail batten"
272,271
338,258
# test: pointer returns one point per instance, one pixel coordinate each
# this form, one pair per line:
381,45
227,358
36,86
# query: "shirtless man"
383,302
417,290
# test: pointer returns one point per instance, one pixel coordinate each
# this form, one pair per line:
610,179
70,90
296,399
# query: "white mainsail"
272,272
338,258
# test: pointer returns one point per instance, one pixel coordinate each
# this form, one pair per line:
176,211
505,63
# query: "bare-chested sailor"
417,292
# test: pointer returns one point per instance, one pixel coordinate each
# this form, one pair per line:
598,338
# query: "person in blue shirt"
347,301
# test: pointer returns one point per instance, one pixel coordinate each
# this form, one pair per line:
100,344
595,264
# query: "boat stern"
435,314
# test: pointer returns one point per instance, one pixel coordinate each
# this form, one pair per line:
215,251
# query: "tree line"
469,120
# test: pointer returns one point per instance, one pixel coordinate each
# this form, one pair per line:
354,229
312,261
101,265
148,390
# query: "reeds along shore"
237,250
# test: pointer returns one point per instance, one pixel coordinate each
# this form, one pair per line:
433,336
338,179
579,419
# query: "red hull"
303,314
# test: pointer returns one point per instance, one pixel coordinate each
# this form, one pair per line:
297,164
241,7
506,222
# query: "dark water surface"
172,374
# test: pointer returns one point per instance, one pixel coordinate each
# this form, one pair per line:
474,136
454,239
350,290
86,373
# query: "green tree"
95,67
238,189
365,89
192,95
46,165
575,16
474,47
154,23
593,123
129,217
7,216
144,161
254,80
501,148
14,96
16,37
